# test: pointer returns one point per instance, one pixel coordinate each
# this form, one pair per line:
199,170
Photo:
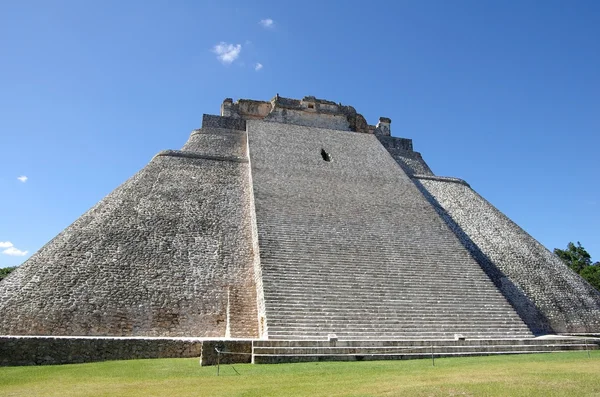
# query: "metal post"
586,348
432,358
218,361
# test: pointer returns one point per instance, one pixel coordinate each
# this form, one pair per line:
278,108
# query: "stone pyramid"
295,219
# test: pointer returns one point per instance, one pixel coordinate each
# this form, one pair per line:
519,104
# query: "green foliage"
592,275
578,259
5,271
575,256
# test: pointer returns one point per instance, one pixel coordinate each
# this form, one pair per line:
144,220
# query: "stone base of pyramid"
51,350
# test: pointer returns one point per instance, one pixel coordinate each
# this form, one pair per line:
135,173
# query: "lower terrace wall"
232,352
47,350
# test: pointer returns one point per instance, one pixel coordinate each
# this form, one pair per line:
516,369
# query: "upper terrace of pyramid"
308,111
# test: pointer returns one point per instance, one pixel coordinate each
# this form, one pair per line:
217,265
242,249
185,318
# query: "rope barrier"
219,352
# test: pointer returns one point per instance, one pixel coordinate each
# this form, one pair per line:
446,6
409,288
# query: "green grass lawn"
557,374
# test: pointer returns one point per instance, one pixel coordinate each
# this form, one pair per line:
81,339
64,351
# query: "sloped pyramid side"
524,269
168,253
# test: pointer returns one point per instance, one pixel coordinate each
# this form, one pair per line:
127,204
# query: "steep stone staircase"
277,351
362,293
354,249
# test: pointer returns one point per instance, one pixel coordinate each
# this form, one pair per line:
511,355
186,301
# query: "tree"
578,259
592,275
575,256
5,271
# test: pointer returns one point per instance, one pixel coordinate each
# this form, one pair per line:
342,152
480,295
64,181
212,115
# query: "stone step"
432,325
365,259
358,254
408,337
440,342
448,300
341,324
420,286
375,278
374,307
408,315
347,300
278,359
379,272
294,279
422,334
416,349
385,307
298,307
393,328
279,351
415,328
392,318
398,316
351,269
398,326
426,333
392,289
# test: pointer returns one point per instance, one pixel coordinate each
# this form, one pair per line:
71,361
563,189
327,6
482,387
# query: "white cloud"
227,53
258,66
267,23
23,178
12,251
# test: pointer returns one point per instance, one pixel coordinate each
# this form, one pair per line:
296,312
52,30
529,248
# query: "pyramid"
295,219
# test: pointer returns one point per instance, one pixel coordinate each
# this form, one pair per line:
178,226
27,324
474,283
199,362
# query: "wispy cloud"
267,23
23,178
258,66
12,251
227,53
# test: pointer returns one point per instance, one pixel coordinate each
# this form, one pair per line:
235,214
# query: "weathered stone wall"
217,142
233,352
168,253
402,151
212,121
309,111
308,119
350,246
245,109
70,350
523,269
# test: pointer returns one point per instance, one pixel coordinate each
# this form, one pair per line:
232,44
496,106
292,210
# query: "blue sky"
504,94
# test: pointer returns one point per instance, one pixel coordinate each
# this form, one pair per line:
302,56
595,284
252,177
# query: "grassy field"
558,374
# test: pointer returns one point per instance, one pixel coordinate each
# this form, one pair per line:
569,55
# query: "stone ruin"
295,220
